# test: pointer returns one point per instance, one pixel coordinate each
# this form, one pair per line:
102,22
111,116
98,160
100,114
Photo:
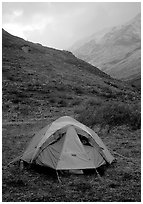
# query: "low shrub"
94,102
62,103
75,102
79,90
25,110
52,100
112,114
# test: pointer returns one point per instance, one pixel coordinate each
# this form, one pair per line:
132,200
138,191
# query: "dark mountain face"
37,79
118,53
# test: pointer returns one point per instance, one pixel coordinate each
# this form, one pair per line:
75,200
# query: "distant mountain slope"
96,37
38,78
118,52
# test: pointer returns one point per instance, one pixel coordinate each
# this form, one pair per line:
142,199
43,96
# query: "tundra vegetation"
42,84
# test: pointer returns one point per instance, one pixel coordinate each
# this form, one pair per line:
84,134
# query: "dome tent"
67,144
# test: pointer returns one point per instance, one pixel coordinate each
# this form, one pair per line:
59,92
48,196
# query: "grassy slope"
42,85
45,78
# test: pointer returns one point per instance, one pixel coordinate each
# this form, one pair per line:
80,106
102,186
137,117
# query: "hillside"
37,79
117,52
41,84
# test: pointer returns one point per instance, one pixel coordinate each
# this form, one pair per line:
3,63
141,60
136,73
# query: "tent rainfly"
67,144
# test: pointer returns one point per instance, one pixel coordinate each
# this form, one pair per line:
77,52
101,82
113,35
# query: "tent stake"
21,165
58,176
98,175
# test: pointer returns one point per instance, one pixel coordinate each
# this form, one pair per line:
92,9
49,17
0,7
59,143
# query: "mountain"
117,52
96,37
38,80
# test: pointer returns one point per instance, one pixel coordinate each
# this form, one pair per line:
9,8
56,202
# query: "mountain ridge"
112,53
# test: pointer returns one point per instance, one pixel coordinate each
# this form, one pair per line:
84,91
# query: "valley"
41,84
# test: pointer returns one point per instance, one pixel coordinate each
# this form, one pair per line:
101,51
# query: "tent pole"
58,176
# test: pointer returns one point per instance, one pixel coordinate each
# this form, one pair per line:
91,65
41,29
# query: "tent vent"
74,155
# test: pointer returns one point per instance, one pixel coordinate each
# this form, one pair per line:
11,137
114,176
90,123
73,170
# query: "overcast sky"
59,25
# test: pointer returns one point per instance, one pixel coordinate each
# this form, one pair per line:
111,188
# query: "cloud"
59,24
37,23
21,22
15,30
18,13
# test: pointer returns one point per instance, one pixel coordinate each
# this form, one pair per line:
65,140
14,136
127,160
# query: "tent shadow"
51,174
43,171
101,170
